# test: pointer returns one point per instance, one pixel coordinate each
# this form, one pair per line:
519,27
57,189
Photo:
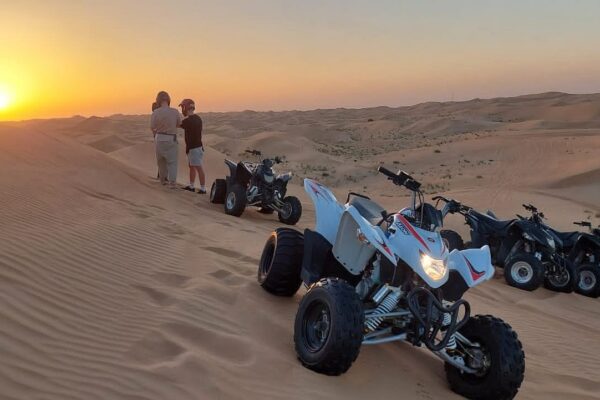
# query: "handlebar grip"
387,172
443,199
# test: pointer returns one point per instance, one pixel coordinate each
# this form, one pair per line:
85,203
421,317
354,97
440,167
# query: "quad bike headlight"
435,269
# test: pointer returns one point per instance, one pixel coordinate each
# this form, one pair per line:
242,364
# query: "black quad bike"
255,184
525,250
580,248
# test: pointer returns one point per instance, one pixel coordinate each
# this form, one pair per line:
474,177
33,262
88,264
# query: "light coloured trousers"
166,158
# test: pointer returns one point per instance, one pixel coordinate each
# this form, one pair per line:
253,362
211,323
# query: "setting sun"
4,100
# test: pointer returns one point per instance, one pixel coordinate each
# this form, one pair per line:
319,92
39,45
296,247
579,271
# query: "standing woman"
164,123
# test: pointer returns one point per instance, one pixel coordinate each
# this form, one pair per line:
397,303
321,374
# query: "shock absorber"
389,302
452,341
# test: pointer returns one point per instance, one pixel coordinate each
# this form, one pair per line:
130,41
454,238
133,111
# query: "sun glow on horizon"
5,100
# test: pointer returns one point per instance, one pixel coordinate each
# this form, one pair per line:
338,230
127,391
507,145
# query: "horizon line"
314,109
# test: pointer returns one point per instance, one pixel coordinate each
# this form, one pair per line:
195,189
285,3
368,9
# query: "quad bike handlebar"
454,206
274,160
583,223
536,214
401,179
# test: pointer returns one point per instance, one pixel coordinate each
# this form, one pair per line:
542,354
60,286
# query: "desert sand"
114,287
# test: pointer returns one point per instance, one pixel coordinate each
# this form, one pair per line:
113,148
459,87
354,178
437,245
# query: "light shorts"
195,157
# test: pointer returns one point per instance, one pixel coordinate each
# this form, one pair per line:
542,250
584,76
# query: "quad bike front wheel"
218,191
499,358
235,201
524,271
564,280
452,240
328,331
291,211
588,282
281,262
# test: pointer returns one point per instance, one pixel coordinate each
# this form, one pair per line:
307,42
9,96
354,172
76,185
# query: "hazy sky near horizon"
66,57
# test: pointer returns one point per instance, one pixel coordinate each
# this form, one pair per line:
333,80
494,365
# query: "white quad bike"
376,277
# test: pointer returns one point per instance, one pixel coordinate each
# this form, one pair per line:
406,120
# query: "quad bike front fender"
357,240
285,178
473,265
328,211
232,167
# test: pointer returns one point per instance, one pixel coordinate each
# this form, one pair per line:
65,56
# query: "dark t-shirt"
192,126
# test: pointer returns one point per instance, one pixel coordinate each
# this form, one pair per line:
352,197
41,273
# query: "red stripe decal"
474,273
412,230
387,249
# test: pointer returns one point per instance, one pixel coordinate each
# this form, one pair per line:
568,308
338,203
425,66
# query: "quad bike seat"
491,214
370,210
491,221
568,239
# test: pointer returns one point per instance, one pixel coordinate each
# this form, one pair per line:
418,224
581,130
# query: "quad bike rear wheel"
524,271
564,281
452,240
235,201
501,361
218,191
588,281
291,211
328,331
281,262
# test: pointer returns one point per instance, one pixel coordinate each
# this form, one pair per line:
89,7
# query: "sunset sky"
66,57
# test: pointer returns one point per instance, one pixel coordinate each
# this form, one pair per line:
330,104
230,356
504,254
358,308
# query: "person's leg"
190,186
171,157
161,162
192,175
201,175
200,169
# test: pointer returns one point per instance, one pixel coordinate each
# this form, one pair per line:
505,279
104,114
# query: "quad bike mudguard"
238,172
285,177
328,211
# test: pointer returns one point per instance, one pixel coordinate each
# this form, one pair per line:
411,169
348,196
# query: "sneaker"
201,191
190,188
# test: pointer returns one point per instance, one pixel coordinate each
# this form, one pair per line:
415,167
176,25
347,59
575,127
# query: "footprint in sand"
158,297
228,277
231,254
217,344
155,348
173,230
171,279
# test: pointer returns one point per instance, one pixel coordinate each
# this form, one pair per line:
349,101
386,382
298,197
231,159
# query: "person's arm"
186,135
153,123
200,132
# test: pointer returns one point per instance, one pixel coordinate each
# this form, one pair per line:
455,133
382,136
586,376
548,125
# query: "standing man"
192,125
164,123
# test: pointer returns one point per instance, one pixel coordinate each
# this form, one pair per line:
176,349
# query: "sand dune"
114,287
